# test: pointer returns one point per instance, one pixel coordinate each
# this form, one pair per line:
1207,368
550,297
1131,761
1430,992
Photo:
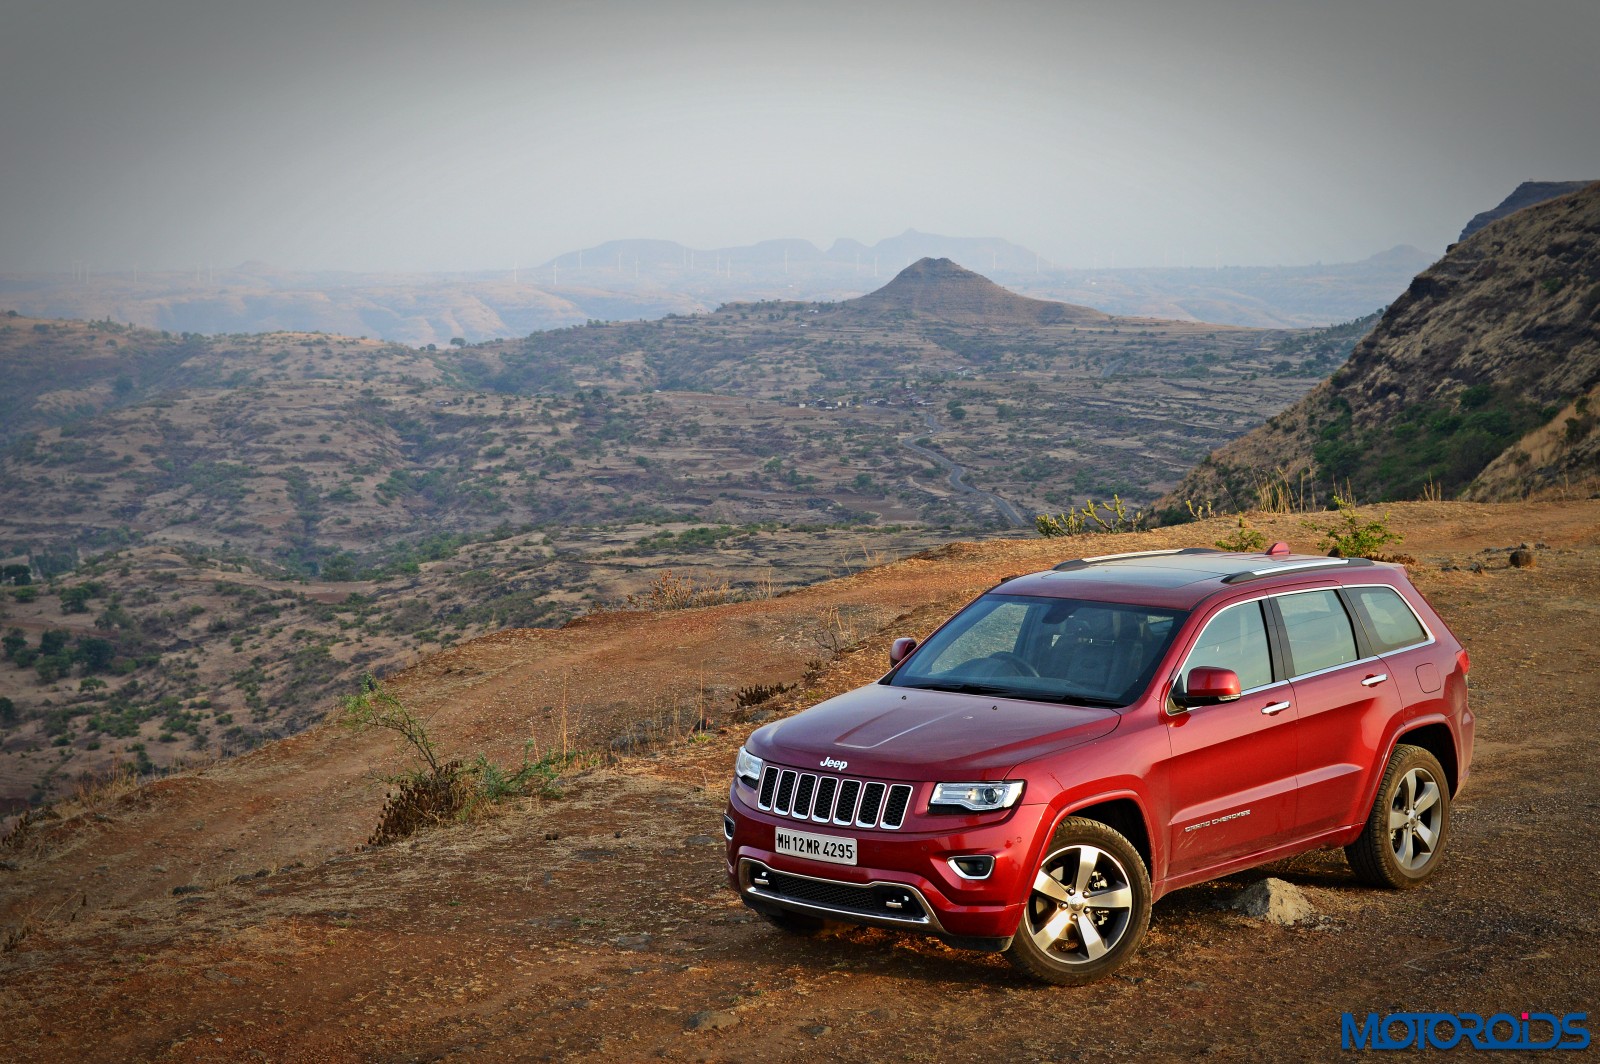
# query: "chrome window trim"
1429,641
1262,597
1351,621
1266,630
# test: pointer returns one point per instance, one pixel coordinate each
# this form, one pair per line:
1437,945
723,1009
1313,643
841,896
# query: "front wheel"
1410,820
1087,909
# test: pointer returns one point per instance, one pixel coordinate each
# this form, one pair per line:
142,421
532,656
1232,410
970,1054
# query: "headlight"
748,767
976,797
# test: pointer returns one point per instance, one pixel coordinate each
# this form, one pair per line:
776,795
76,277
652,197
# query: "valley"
220,534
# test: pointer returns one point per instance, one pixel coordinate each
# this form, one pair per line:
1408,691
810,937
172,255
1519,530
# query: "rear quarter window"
1388,618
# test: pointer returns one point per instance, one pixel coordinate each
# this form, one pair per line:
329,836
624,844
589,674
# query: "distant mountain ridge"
648,279
1482,381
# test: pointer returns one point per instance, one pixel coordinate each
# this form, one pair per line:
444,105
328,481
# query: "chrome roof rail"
1076,563
1289,567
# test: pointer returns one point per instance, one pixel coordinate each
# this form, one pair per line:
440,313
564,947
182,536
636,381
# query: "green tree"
13,642
53,641
95,653
75,599
8,711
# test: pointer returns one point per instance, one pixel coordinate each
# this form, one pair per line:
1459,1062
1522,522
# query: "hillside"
1526,194
1482,381
221,533
234,913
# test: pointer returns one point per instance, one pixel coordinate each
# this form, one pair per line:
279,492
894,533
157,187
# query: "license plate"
834,849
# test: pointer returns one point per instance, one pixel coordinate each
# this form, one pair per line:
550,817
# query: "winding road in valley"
1007,512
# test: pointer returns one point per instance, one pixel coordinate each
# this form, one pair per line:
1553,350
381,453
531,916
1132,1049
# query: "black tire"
1063,937
1403,843
794,923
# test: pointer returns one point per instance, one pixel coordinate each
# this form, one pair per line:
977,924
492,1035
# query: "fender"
1398,730
1067,804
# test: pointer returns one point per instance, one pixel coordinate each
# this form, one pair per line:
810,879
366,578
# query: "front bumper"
902,880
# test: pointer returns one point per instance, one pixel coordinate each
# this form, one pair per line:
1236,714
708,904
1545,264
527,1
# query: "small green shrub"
1347,536
1246,539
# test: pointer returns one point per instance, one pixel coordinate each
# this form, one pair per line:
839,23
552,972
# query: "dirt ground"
598,926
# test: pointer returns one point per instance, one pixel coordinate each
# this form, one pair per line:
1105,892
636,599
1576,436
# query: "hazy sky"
404,134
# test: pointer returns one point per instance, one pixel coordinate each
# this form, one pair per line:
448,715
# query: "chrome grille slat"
804,792
827,791
871,802
845,812
894,808
769,787
836,800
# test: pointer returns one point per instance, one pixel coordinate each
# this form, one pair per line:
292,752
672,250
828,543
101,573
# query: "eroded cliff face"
1479,381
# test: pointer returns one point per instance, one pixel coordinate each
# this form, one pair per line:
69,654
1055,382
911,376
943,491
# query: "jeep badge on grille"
840,766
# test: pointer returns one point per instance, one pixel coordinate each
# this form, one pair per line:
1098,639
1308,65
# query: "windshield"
1044,649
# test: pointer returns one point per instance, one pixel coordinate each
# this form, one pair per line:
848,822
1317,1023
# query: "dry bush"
422,801
1114,518
669,591
747,697
94,792
446,789
1276,495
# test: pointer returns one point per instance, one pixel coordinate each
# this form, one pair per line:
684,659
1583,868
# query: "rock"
1274,901
1522,558
187,888
711,1021
700,840
632,942
816,1030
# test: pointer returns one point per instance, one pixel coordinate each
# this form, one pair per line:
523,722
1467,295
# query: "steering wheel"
1016,661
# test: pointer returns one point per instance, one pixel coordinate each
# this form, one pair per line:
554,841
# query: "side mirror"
1208,686
901,647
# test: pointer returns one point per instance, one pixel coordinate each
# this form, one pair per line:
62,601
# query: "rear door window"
1388,618
1235,639
1318,631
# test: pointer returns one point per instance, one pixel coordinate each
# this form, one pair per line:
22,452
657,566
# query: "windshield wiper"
966,687
1087,700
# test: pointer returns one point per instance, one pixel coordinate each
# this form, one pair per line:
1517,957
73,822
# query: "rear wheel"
1087,908
1409,824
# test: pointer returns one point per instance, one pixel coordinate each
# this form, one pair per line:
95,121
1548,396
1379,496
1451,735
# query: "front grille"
883,900
831,799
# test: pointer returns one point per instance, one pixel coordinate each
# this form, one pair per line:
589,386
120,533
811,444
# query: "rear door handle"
1373,681
1274,708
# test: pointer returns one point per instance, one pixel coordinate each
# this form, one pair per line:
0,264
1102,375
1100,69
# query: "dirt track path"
597,927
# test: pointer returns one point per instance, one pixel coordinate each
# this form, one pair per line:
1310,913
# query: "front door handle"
1373,681
1274,708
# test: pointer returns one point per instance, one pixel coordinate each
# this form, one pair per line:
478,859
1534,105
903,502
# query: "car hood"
910,734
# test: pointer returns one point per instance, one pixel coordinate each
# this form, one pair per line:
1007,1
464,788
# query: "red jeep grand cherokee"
1076,743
